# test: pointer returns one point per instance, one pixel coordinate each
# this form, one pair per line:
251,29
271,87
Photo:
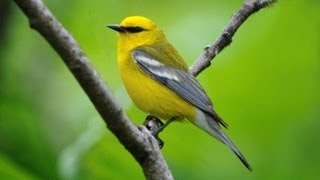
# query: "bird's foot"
154,125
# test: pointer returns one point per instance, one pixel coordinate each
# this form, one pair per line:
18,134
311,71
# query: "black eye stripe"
135,29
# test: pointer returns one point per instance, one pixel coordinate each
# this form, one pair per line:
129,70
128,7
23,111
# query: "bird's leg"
164,126
155,126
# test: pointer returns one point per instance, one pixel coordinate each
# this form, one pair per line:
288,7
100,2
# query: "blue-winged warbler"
157,79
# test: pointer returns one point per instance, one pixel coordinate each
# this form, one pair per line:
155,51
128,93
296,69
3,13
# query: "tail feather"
211,126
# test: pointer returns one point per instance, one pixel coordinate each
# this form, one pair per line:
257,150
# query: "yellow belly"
151,96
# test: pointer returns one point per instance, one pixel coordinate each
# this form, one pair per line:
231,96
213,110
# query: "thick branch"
248,8
138,141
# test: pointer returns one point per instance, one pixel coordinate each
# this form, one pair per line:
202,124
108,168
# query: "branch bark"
248,8
137,140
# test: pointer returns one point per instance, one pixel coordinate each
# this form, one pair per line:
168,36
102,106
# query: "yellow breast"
151,96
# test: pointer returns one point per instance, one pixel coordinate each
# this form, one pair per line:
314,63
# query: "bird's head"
138,31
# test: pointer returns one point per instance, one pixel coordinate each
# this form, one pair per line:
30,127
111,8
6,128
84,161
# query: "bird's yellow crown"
138,21
139,31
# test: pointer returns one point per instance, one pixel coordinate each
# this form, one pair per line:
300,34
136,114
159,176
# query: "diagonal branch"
248,8
138,141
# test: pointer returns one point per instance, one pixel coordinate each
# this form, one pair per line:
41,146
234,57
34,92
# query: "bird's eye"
134,29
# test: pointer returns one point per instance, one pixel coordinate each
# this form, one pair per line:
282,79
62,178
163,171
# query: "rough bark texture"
137,140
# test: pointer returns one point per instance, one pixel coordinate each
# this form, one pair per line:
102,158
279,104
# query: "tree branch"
138,141
248,8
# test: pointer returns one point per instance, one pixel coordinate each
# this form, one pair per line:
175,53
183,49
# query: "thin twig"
248,8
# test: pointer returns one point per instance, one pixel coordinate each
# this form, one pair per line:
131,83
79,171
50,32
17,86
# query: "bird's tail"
211,126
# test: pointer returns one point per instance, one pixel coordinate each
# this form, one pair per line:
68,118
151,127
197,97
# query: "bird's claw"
154,125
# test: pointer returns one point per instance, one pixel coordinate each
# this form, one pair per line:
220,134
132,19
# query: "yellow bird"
157,79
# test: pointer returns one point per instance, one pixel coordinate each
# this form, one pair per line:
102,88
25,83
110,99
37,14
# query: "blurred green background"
265,85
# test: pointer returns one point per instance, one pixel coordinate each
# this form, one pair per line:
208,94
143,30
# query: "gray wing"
182,83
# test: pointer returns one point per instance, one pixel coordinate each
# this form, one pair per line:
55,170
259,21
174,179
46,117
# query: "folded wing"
182,83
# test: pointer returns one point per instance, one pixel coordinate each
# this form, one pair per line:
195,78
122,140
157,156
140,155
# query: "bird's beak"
116,27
